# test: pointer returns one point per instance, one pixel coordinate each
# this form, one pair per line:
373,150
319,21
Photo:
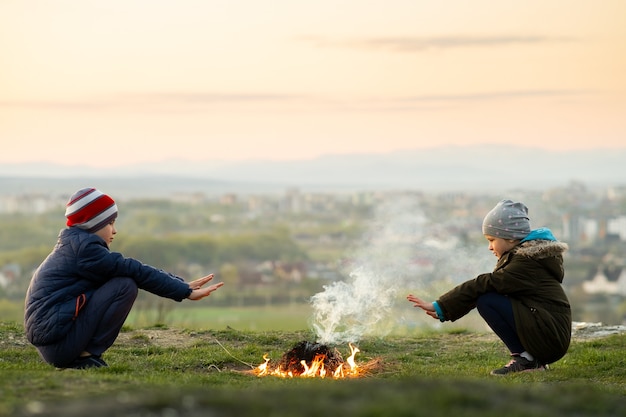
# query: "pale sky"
109,82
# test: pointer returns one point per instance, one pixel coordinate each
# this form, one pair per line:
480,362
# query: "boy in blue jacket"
80,296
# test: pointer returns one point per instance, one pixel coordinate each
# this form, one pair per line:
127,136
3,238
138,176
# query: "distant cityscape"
588,216
592,220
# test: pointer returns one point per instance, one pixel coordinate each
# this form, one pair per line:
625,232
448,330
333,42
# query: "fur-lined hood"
549,253
541,249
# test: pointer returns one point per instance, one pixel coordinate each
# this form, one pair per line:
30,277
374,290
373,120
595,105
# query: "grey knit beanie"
507,220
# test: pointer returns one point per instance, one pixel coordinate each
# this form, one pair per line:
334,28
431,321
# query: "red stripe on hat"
90,211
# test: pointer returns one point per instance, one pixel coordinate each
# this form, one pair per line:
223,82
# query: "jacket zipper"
80,303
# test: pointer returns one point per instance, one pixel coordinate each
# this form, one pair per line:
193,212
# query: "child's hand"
199,283
198,292
429,308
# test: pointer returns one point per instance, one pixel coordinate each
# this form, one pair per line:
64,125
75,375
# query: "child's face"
500,246
107,232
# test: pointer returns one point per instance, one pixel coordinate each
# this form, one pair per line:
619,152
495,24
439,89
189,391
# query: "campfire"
308,359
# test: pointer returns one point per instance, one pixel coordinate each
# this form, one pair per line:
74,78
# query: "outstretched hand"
429,308
197,292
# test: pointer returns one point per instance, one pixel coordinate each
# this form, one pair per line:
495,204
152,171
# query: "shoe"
85,362
519,364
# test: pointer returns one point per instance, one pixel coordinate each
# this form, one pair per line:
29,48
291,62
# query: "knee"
487,300
126,286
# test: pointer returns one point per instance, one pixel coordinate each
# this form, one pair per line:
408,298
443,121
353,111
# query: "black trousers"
98,323
497,311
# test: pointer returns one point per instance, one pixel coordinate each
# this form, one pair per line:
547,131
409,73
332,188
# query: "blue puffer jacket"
80,263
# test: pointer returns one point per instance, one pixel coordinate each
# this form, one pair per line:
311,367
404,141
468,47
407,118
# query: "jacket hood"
548,253
542,233
541,249
540,244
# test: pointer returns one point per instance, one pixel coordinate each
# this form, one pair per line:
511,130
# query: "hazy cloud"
498,95
220,98
151,101
190,101
413,44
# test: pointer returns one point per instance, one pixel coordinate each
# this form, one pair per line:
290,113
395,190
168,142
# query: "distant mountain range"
447,168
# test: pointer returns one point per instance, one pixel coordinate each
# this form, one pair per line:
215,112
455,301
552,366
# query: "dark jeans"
98,324
497,311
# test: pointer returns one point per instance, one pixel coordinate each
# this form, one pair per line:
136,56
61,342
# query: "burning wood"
308,359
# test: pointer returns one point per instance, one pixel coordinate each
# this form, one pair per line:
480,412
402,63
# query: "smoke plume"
402,250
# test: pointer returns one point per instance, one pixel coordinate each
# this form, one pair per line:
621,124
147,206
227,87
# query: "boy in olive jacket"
522,300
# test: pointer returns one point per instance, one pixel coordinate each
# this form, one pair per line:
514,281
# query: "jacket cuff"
439,312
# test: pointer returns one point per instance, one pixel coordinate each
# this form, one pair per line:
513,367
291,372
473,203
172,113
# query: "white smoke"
344,312
402,249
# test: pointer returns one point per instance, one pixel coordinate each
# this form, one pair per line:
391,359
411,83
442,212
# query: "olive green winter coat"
530,275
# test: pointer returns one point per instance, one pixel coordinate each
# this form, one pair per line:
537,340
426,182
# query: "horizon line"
228,161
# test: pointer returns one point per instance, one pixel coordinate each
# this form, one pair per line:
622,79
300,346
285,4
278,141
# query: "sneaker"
519,364
85,362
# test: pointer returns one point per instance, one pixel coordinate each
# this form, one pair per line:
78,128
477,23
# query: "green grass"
179,372
11,310
288,317
279,317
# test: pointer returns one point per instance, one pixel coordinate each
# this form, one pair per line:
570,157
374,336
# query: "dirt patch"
13,339
158,337
584,330
182,339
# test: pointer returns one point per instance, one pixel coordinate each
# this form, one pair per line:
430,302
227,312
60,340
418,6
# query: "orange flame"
316,369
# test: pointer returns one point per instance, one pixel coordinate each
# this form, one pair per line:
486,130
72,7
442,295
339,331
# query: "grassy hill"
177,372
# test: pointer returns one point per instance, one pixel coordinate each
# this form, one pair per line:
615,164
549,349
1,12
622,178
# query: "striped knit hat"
89,209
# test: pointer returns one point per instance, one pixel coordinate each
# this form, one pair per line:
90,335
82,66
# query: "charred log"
308,352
